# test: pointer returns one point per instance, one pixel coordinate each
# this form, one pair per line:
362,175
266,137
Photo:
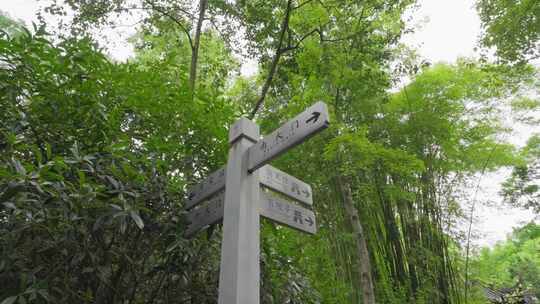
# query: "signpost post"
239,272
244,200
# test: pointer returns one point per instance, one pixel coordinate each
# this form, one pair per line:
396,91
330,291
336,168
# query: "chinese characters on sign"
286,184
208,187
288,214
270,177
290,134
207,214
247,197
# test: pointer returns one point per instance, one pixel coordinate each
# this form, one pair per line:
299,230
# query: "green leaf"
44,294
12,190
116,207
48,151
82,177
135,216
10,205
9,300
22,300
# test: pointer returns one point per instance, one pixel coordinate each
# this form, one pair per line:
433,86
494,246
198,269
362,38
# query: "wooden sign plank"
286,184
287,214
290,134
208,214
205,189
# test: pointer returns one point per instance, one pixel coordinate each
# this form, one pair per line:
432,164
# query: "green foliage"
283,279
513,27
95,155
447,117
522,189
438,129
89,182
161,43
10,26
511,262
356,152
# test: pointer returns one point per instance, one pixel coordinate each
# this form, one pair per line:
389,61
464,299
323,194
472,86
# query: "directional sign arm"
205,189
288,214
290,134
314,117
286,184
207,214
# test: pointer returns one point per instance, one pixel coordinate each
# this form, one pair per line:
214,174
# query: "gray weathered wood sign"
288,214
286,184
208,187
290,134
204,215
244,200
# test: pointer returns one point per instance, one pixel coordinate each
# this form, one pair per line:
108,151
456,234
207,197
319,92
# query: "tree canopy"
512,27
513,262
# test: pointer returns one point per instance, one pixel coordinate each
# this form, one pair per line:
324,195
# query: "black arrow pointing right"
314,117
310,221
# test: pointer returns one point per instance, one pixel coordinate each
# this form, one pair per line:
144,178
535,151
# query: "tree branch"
218,30
297,45
301,4
275,60
190,15
167,14
280,50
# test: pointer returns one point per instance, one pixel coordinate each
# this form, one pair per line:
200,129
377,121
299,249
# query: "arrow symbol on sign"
310,221
314,117
306,193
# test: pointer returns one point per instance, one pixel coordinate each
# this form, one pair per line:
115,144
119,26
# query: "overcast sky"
448,29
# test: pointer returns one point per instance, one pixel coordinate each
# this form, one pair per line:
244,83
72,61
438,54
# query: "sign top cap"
244,127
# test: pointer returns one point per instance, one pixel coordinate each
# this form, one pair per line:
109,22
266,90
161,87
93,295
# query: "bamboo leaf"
135,216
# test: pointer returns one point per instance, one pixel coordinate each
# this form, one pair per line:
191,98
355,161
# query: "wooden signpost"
244,200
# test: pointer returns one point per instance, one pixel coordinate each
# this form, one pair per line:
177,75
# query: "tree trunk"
195,47
366,281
